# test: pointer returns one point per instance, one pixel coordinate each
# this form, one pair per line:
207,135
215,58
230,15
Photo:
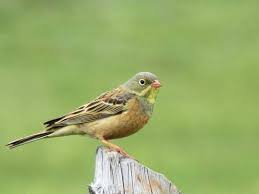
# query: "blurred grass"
55,56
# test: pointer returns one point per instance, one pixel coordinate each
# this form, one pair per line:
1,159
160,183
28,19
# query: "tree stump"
116,174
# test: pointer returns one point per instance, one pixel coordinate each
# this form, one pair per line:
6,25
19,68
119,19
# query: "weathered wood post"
116,174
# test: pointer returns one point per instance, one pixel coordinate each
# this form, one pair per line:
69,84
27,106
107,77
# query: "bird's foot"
122,152
118,149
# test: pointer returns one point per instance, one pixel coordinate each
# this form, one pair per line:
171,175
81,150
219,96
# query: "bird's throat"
151,95
148,101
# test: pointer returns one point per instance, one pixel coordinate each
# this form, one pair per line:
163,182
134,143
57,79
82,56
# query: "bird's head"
144,84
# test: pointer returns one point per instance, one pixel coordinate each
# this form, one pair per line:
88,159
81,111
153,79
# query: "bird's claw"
122,152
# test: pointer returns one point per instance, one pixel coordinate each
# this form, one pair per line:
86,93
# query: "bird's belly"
117,126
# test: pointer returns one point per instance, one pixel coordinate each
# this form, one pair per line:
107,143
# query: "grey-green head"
142,83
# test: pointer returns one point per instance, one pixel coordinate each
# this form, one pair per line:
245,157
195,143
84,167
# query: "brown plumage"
114,114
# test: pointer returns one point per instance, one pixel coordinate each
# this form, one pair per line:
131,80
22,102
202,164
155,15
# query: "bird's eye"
142,82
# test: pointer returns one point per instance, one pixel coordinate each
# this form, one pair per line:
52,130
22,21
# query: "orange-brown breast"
121,125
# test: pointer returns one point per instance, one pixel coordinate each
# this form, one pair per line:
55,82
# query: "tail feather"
28,139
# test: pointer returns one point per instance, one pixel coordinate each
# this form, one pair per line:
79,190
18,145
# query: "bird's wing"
108,104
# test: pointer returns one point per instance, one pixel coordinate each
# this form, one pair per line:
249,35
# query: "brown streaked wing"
108,104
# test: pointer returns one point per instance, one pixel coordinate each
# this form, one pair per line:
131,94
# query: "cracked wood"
115,174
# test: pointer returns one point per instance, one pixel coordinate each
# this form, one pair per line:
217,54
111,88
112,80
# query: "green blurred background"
57,55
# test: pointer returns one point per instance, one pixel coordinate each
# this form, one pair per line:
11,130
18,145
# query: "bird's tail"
29,139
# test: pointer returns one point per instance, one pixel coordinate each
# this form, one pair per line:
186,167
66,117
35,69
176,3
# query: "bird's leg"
116,148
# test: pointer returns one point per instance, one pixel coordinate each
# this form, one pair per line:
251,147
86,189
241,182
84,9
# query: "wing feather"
108,104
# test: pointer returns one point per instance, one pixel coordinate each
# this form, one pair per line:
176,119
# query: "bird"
114,114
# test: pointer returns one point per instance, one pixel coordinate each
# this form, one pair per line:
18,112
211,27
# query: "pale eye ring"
142,82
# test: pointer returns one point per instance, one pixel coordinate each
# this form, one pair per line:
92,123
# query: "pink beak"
156,84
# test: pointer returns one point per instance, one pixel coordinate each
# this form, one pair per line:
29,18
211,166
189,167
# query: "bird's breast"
121,125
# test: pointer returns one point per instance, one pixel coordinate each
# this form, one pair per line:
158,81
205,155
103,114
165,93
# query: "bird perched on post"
114,114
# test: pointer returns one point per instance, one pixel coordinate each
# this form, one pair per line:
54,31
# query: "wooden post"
116,174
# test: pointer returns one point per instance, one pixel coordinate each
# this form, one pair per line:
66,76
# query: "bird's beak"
156,84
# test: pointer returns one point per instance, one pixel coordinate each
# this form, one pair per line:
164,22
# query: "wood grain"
116,174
